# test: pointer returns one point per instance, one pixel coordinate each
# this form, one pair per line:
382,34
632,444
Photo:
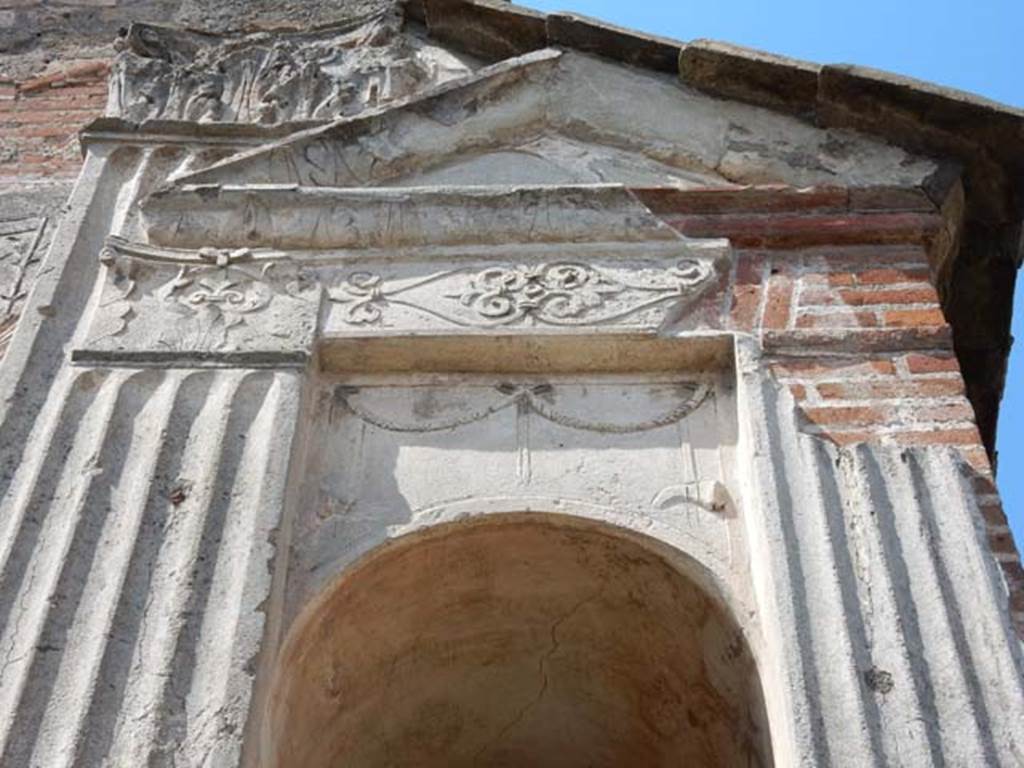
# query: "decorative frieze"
171,74
398,452
582,407
159,302
559,294
226,305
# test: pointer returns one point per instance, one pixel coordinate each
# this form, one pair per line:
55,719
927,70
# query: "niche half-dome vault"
445,384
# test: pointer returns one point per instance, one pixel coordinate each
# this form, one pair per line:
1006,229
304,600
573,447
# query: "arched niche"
515,640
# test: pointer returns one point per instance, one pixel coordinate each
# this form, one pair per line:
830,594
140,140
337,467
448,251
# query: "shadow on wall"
523,639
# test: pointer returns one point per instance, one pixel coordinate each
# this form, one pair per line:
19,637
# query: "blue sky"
975,46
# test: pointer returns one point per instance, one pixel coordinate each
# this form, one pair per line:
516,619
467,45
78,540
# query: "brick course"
846,309
40,119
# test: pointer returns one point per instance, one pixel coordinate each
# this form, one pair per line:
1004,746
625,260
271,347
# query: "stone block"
490,29
734,72
593,36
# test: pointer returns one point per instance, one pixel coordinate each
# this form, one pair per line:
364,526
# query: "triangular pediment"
558,117
555,158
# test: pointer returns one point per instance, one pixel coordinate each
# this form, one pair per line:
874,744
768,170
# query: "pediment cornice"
296,217
587,119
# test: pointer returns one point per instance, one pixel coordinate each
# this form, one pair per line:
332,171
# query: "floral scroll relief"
211,293
228,289
557,291
562,293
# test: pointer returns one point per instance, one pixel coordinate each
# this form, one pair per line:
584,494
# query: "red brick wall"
40,119
895,397
842,296
841,322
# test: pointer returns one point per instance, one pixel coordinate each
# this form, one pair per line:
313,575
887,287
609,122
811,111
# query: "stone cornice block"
752,76
986,136
593,36
920,116
295,217
491,30
908,110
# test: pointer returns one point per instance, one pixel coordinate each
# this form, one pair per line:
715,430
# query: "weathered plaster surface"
576,647
26,226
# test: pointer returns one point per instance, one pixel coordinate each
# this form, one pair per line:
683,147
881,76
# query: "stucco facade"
447,384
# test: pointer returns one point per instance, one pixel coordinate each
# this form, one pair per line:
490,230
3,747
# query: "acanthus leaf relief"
558,293
321,74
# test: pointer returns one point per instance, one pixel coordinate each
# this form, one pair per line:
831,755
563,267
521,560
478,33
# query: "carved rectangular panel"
396,453
219,305
622,285
251,306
